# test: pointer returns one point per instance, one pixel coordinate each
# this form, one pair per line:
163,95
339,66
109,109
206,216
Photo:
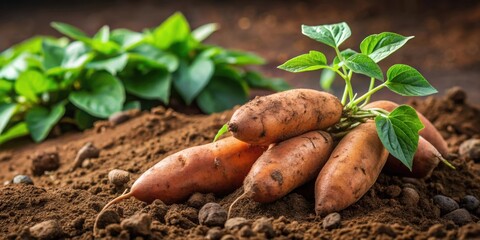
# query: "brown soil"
75,198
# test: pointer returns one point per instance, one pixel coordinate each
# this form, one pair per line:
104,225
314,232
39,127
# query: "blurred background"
446,47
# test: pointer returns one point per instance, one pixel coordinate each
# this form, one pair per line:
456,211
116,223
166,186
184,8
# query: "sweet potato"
430,133
353,167
217,167
425,161
273,118
287,165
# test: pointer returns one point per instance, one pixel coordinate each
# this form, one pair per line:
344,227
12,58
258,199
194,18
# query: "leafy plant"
79,79
398,130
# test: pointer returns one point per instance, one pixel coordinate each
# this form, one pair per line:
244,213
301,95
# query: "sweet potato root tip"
287,165
430,133
283,115
218,167
353,167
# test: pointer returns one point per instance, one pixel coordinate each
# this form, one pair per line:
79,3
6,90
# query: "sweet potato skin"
353,167
426,159
287,165
276,117
218,167
430,133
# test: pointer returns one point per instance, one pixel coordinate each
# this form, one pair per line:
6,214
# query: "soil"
74,198
445,50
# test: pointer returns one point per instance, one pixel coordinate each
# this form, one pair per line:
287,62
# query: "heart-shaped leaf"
101,95
191,79
18,130
361,63
314,60
111,65
154,85
221,94
40,120
332,35
380,46
174,29
399,133
31,83
407,81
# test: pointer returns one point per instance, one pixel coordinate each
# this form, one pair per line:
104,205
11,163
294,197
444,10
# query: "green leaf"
221,131
332,35
154,85
306,62
326,79
174,29
13,69
40,120
191,79
345,55
84,120
18,130
6,112
221,94
101,95
380,46
154,57
203,32
361,63
53,54
76,55
407,81
126,38
32,45
256,80
399,133
237,58
103,35
132,105
71,31
111,65
105,48
31,83
5,87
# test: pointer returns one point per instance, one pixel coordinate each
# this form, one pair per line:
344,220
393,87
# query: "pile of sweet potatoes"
280,142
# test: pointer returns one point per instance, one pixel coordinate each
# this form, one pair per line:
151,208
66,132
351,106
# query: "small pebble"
118,177
88,151
197,200
5,183
212,214
445,204
119,117
236,223
470,149
22,179
45,162
460,216
50,229
437,231
265,226
409,196
471,203
214,234
137,224
332,221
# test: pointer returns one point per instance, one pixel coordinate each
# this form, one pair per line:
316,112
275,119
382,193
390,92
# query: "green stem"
368,94
372,84
349,85
344,97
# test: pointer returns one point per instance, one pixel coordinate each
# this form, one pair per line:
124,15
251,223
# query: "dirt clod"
393,191
197,200
456,94
445,204
181,216
332,221
45,162
50,229
119,118
437,231
264,225
22,179
107,218
246,232
212,214
215,234
381,228
469,202
460,216
88,151
236,223
409,196
138,224
470,149
118,177
158,210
